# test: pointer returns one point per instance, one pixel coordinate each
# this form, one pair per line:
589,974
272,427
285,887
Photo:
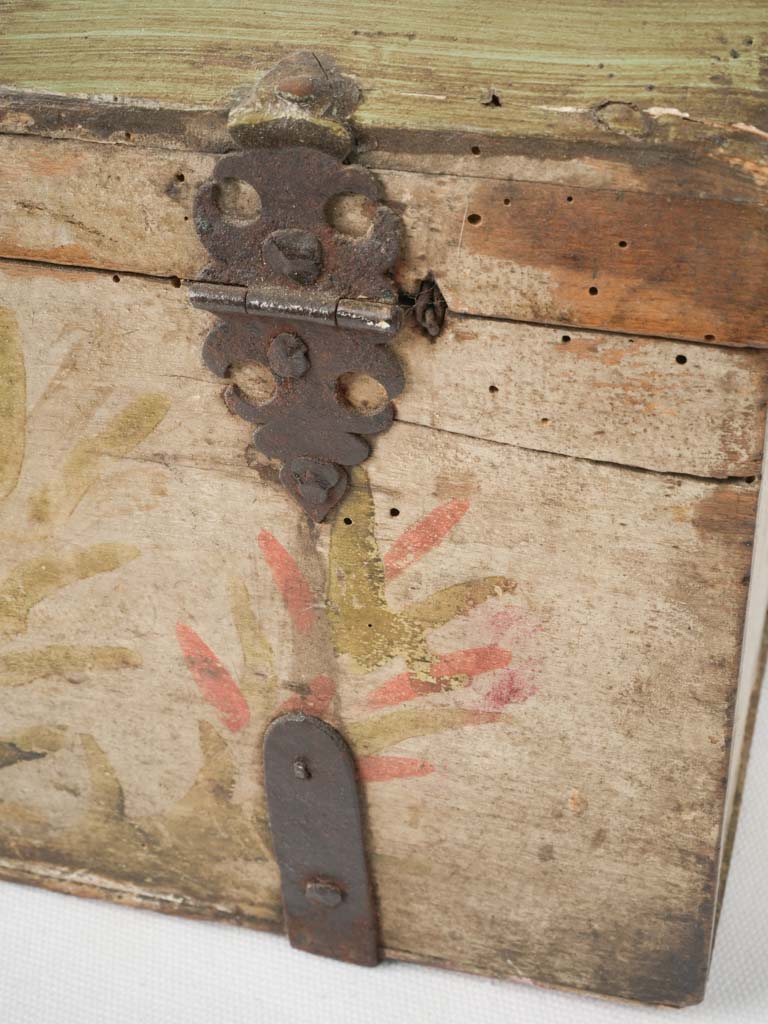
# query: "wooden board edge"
53,878
47,877
743,715
668,156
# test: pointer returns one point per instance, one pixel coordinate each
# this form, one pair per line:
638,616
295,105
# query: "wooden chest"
535,612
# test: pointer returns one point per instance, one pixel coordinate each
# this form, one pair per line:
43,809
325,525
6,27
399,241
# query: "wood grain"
595,396
690,77
691,268
738,172
600,727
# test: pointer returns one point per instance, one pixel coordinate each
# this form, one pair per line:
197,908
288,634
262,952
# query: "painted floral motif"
406,687
355,620
58,565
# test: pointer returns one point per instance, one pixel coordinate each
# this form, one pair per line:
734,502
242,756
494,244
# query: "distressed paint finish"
676,79
689,267
13,403
528,609
704,416
484,643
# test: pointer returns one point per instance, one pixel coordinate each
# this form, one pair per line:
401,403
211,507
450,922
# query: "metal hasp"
293,292
314,814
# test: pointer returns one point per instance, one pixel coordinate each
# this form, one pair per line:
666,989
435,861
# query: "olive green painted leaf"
372,735
123,433
107,799
31,744
32,581
448,604
13,403
20,667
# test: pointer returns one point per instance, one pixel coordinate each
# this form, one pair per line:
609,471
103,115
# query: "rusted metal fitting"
303,101
292,292
287,356
323,894
317,835
295,254
379,316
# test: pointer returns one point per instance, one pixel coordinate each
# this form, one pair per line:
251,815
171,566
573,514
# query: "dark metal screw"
301,769
288,356
294,253
323,894
297,88
314,479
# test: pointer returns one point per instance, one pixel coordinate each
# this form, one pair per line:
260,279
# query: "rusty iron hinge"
293,292
317,834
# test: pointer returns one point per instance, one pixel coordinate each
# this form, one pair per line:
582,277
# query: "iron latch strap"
317,834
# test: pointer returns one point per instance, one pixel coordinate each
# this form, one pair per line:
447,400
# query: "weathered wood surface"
633,168
594,396
533,656
641,75
685,268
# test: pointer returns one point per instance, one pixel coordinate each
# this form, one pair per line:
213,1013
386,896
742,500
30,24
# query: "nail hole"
492,99
175,281
507,201
254,380
394,512
238,201
347,521
682,360
350,214
476,150
362,393
116,278
370,625
493,389
622,244
709,337
186,218
569,199
180,177
474,218
544,419
593,290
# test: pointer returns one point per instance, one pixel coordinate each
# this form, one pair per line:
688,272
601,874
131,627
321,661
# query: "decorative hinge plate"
317,835
292,292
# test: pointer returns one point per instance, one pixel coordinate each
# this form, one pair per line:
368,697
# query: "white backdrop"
74,961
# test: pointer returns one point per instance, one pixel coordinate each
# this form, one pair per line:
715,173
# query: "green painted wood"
424,65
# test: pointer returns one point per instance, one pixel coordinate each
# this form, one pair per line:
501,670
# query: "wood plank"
579,622
595,396
740,176
691,77
688,408
678,267
691,268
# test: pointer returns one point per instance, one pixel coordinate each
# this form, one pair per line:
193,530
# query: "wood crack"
672,474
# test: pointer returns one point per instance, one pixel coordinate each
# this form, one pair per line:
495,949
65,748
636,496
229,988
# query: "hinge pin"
376,315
